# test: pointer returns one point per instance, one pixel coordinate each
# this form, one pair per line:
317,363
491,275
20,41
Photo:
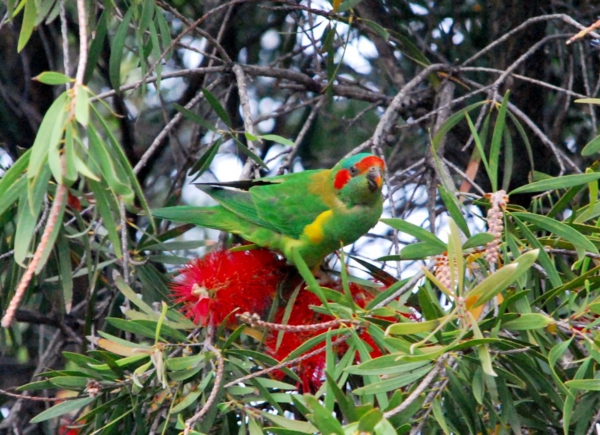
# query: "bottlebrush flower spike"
212,287
495,222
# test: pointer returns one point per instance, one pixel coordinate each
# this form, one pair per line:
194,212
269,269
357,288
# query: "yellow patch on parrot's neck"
314,231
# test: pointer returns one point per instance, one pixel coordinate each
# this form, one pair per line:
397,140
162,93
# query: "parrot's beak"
374,178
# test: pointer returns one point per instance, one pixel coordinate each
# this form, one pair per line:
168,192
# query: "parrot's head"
357,180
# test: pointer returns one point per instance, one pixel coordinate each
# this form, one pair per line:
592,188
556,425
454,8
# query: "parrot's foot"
322,277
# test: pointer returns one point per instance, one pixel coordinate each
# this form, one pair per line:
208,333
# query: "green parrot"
313,212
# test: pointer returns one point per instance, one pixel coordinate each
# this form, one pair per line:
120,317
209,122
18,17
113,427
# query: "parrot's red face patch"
368,162
341,178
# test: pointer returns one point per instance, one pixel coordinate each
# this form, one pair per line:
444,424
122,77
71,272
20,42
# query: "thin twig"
213,394
567,19
157,142
61,193
250,165
427,380
289,160
253,320
406,287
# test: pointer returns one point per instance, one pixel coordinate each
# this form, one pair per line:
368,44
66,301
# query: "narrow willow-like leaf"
479,146
528,321
116,50
62,408
451,122
97,45
394,382
580,242
494,157
216,106
279,139
66,275
53,78
82,105
478,240
415,231
44,138
453,206
523,264
563,182
28,24
106,204
206,160
407,328
245,150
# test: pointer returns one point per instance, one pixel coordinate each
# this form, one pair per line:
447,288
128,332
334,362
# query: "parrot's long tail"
216,217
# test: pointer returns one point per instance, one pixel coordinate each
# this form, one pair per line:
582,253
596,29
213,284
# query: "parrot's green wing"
235,200
291,205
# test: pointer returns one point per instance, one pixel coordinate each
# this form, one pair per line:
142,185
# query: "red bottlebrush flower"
212,287
311,371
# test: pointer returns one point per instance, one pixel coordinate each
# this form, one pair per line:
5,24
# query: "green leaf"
62,408
279,139
70,175
195,118
580,242
28,24
116,51
385,365
406,328
347,5
97,45
245,150
453,206
296,425
478,240
451,122
584,384
70,382
553,356
322,417
185,362
415,251
588,100
110,169
82,105
438,414
494,156
53,78
369,420
544,259
500,280
557,183
415,231
394,382
46,137
216,106
126,168
106,204
528,321
190,399
378,29
66,275
206,160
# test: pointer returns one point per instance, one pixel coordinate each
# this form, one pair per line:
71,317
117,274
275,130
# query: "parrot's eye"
353,170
